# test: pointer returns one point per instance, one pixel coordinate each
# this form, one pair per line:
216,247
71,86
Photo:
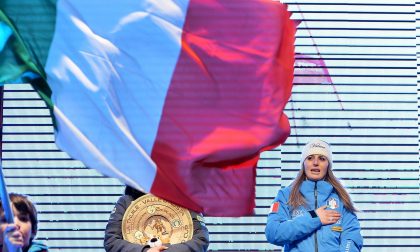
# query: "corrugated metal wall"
73,202
369,114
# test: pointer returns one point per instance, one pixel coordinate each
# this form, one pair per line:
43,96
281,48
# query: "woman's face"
23,223
316,167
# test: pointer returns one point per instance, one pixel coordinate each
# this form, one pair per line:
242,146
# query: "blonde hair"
296,198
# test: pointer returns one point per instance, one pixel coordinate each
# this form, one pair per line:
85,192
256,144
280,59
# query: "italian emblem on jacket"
332,203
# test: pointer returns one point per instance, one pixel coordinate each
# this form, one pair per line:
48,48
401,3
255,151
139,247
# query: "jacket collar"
323,187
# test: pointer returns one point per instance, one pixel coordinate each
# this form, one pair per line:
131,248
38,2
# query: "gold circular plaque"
151,217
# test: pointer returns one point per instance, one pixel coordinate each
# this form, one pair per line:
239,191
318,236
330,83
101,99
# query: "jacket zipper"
316,207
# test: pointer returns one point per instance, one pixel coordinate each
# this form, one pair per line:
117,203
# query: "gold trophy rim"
161,201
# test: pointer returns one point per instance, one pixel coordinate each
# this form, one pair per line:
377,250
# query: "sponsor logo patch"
337,228
298,212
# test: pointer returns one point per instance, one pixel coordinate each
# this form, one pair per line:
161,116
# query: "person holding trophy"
314,213
143,222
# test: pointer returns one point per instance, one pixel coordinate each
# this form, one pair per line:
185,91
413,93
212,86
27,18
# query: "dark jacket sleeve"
200,240
114,241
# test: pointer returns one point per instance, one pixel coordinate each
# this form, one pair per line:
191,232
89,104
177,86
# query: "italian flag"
174,97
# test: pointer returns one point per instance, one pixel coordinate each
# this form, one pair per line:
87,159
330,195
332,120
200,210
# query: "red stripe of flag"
225,104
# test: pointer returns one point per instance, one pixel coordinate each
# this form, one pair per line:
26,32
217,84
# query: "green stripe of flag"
32,23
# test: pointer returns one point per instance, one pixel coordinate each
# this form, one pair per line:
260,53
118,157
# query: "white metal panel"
369,115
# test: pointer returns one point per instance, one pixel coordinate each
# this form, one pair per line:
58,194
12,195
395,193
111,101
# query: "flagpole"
8,213
4,195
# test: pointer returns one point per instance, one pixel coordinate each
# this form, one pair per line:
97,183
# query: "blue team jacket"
296,229
37,247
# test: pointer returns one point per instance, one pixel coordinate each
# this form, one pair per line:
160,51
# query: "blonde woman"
314,213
